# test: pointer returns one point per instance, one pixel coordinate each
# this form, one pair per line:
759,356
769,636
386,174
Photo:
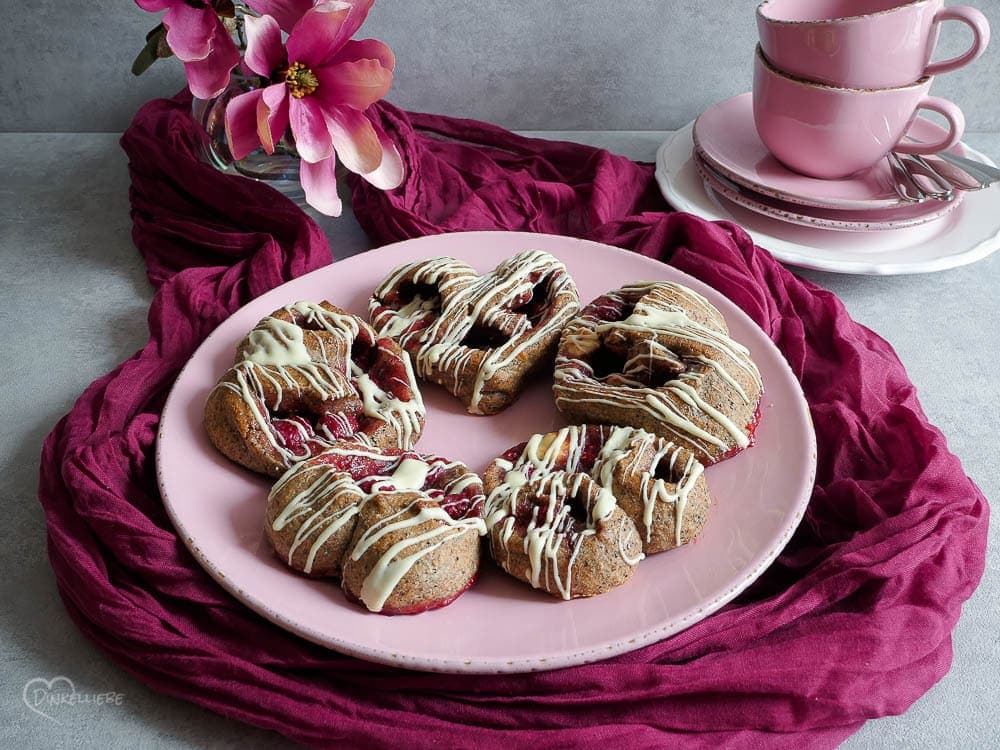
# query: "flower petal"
272,115
285,12
356,84
265,53
391,171
190,30
366,49
241,123
154,6
312,137
210,76
319,181
354,139
322,31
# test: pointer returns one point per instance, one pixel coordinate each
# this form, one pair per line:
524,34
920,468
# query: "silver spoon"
974,167
930,182
906,187
958,178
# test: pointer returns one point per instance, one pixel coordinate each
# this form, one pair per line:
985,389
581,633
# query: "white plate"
969,233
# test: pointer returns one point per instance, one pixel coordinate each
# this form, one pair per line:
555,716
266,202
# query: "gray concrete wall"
527,64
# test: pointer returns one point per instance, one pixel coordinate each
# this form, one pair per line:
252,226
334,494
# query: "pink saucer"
908,215
726,138
499,625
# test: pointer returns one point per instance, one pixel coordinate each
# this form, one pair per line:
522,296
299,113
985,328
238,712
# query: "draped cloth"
853,621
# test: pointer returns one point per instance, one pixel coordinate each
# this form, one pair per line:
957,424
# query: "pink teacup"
864,44
830,132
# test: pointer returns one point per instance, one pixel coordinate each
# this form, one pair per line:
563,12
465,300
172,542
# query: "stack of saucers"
837,87
735,164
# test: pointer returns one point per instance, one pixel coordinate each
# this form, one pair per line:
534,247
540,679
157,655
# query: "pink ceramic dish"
911,215
830,132
499,625
863,43
725,136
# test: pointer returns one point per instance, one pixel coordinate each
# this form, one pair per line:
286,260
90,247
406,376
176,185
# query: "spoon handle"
930,181
972,166
906,187
958,177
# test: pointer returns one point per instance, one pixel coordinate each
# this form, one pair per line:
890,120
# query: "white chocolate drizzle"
665,312
276,359
563,450
400,558
408,474
546,535
467,300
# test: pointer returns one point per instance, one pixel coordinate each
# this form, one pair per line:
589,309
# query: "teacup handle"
956,127
980,32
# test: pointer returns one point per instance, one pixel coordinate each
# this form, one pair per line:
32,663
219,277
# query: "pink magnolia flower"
321,83
199,38
285,12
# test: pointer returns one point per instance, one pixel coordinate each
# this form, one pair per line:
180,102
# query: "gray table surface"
71,275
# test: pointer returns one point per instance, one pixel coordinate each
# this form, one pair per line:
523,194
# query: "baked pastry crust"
480,337
562,533
658,355
400,529
307,376
658,484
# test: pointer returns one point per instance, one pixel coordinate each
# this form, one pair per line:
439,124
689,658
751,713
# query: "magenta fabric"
853,621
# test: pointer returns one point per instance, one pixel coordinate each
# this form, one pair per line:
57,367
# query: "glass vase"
280,170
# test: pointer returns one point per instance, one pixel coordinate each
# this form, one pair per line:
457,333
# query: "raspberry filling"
606,309
388,371
462,505
751,431
291,429
305,432
536,305
593,442
421,302
366,470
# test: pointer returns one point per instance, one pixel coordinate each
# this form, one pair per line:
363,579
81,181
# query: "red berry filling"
607,308
294,431
536,305
388,371
338,425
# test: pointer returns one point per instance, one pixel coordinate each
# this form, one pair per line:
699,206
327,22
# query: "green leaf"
146,57
155,31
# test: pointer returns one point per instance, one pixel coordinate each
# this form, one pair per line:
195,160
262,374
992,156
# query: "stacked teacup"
837,83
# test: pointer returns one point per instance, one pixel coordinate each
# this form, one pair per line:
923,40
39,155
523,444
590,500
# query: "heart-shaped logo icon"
40,693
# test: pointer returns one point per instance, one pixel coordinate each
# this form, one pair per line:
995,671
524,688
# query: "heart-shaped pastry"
658,355
480,337
658,484
309,375
400,529
563,533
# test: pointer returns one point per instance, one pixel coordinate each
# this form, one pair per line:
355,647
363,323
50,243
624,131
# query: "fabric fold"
891,545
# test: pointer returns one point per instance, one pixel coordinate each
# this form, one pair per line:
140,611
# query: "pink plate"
909,215
726,138
500,625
